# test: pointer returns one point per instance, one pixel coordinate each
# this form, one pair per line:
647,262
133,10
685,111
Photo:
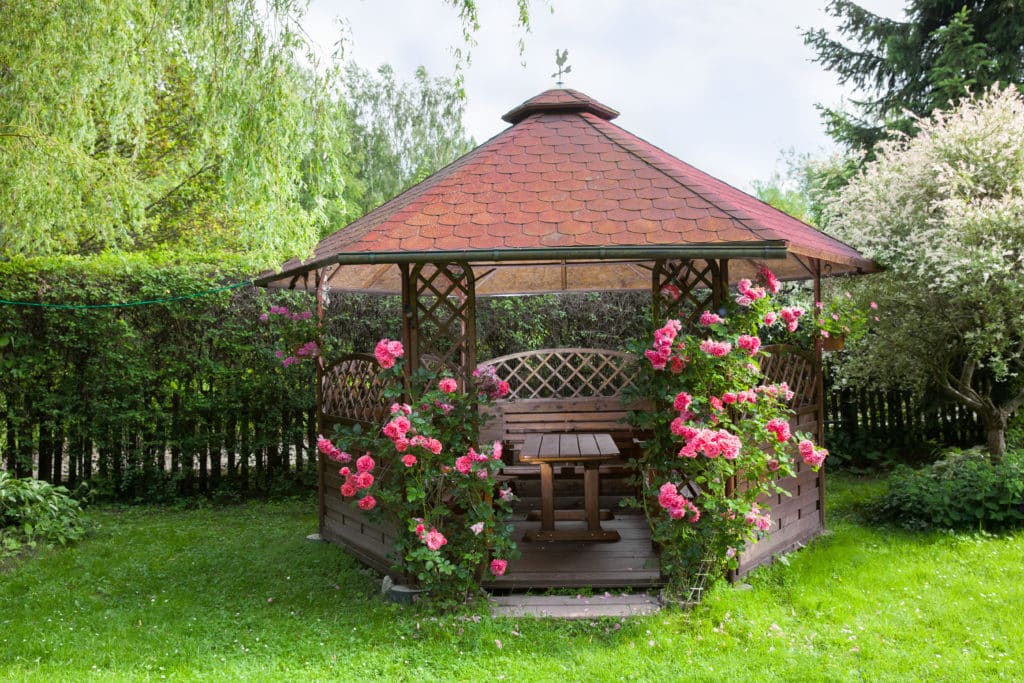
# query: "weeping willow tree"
129,125
136,125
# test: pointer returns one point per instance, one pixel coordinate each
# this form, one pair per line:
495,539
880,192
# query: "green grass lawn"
238,593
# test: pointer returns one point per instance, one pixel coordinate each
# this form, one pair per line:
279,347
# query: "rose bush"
424,471
719,436
296,334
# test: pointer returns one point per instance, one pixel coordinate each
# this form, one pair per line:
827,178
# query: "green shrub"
34,512
961,490
858,452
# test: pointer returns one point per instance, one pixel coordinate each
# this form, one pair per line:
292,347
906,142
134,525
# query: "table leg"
592,496
547,497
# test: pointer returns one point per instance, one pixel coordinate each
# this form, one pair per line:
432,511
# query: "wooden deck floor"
629,562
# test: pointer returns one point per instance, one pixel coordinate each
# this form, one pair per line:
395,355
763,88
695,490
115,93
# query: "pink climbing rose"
711,443
811,455
771,282
677,505
434,539
498,567
707,318
682,401
387,352
780,428
749,343
715,348
791,316
448,385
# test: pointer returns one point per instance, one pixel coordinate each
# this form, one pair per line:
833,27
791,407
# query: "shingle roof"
565,177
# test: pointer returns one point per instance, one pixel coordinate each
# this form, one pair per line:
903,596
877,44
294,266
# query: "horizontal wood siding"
799,516
796,519
344,524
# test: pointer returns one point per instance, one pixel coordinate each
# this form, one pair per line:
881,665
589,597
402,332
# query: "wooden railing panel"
352,390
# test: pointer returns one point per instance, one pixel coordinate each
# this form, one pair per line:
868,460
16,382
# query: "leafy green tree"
906,68
401,132
943,213
806,185
788,191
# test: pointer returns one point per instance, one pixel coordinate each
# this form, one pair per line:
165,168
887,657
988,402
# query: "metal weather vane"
560,59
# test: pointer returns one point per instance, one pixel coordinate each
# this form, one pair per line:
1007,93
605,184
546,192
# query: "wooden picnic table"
557,448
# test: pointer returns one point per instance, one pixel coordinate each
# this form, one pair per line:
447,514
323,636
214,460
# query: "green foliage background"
135,385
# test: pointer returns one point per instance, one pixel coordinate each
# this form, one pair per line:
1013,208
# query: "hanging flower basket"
834,342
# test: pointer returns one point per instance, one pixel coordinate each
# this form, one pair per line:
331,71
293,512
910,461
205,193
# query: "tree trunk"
995,421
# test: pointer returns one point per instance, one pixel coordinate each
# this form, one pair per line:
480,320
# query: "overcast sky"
725,85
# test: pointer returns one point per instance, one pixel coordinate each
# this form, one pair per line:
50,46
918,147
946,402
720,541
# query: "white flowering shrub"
943,213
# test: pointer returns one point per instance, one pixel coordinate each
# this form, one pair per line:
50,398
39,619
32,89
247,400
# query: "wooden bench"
511,421
561,391
566,392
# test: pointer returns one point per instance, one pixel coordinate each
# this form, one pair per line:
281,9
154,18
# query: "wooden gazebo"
562,200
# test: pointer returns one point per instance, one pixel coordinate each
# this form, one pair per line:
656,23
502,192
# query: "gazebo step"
575,607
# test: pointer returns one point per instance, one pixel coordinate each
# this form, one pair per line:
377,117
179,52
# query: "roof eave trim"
766,250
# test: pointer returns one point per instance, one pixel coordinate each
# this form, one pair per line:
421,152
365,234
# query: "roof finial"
560,59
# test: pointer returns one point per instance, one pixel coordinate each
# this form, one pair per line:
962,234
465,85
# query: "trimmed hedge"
149,402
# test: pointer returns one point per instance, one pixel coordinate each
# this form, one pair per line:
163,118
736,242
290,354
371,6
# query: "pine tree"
909,68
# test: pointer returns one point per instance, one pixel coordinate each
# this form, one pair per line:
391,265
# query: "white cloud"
725,85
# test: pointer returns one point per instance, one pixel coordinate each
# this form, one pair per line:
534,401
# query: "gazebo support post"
820,379
320,282
722,290
409,336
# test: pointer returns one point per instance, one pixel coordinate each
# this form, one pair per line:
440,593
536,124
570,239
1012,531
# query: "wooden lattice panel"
684,289
565,373
352,390
793,366
443,315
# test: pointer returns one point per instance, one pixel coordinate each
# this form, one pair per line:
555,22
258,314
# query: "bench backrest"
561,390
